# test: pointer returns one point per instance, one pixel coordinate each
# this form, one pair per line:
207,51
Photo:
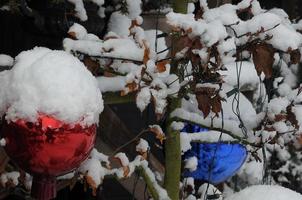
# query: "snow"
266,192
297,110
208,189
161,43
79,31
210,32
6,60
225,13
90,48
93,168
202,137
5,8
41,83
100,3
122,158
277,105
191,163
133,8
119,24
162,193
108,48
157,129
143,98
189,111
2,142
142,146
284,36
111,84
79,9
177,126
10,177
249,79
129,50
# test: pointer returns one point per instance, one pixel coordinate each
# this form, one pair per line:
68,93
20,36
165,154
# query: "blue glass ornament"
216,161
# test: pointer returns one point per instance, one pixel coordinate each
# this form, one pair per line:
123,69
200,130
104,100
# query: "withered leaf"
263,57
208,100
161,66
280,117
216,105
203,96
130,87
146,54
92,184
92,65
204,104
72,35
126,170
158,133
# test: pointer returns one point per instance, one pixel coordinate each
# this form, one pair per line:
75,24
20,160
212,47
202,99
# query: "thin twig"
130,141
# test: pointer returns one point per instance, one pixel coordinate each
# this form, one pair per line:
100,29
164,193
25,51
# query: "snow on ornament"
51,105
217,161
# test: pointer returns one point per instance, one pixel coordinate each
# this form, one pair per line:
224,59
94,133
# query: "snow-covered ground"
265,192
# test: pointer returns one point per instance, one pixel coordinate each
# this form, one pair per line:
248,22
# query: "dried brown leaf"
158,133
92,184
161,66
280,117
126,170
92,65
216,105
203,96
131,87
263,57
72,35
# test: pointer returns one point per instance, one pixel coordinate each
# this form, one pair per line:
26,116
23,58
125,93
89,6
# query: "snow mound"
52,83
266,192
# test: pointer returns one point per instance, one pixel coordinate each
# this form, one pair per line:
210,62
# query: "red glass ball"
48,147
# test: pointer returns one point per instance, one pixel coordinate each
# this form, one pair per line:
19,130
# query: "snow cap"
52,83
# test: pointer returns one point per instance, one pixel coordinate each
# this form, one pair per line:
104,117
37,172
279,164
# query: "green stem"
172,155
150,186
172,145
180,6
